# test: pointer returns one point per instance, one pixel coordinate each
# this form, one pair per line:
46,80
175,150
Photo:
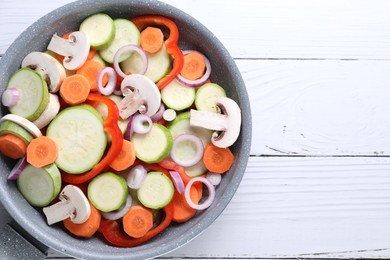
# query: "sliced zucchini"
9,127
33,93
156,191
207,95
39,186
159,64
125,33
100,30
181,125
153,146
79,134
178,96
108,191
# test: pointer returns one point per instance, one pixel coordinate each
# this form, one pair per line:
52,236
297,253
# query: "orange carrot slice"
42,151
126,157
217,159
86,229
12,146
182,212
90,71
137,221
75,89
151,39
194,66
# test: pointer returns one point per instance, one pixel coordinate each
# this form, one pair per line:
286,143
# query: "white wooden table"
317,72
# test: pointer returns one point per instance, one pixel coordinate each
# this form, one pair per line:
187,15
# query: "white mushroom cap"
73,204
229,135
141,94
48,67
75,49
226,123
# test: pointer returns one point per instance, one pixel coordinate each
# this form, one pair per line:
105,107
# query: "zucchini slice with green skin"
100,30
39,186
33,93
125,33
159,64
153,146
207,95
9,127
181,125
178,96
156,191
79,134
108,191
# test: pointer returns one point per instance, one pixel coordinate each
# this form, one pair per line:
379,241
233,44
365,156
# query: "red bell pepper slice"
111,127
171,43
113,233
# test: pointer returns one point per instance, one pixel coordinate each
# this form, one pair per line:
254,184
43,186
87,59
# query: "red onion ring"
159,114
177,181
197,82
129,129
209,199
130,47
111,84
136,177
187,162
17,169
10,97
141,124
117,214
214,178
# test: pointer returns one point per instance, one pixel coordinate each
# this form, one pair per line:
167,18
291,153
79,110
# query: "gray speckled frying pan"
193,35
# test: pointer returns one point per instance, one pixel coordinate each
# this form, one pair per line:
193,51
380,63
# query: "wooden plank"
318,107
296,207
303,207
324,29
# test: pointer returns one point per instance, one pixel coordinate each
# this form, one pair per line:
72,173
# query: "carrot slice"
92,52
86,229
217,159
151,39
42,151
75,89
137,221
12,146
90,71
194,66
182,212
125,158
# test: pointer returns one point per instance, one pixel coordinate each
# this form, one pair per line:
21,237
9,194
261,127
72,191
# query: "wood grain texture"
303,207
318,107
317,77
300,29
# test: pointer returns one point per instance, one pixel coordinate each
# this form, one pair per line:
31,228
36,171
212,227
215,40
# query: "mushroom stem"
59,211
208,120
75,49
73,204
129,105
226,123
60,46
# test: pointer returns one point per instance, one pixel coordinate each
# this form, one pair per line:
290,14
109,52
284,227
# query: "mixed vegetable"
117,129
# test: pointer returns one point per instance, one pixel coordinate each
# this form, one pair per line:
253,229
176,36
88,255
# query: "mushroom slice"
73,204
226,123
141,94
75,49
48,67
